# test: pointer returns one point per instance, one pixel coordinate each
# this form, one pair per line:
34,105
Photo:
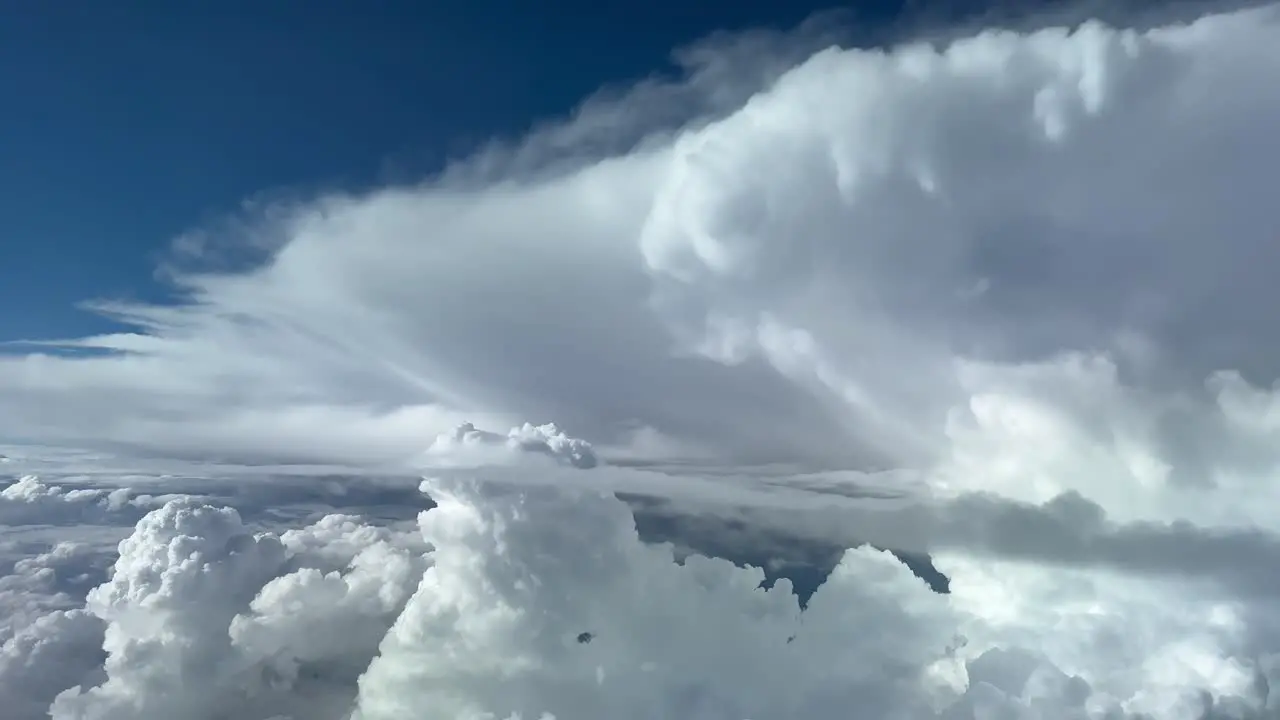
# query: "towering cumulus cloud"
1004,303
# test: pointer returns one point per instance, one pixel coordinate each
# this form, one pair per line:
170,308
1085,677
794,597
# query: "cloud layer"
1003,301
537,601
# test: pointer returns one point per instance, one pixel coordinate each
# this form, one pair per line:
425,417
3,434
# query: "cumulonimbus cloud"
1026,275
799,278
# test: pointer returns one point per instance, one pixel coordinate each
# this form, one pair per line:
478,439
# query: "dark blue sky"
126,123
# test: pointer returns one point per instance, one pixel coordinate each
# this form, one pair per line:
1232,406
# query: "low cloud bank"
532,600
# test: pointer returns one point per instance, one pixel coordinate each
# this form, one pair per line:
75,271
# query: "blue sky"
126,125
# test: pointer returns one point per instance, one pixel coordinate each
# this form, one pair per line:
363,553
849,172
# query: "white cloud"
496,625
825,238
545,601
468,441
59,650
204,616
1024,278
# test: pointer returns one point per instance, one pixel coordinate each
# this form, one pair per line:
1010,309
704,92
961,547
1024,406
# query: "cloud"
507,602
1002,302
28,500
516,649
467,440
202,615
481,607
52,548
56,546
59,650
796,278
